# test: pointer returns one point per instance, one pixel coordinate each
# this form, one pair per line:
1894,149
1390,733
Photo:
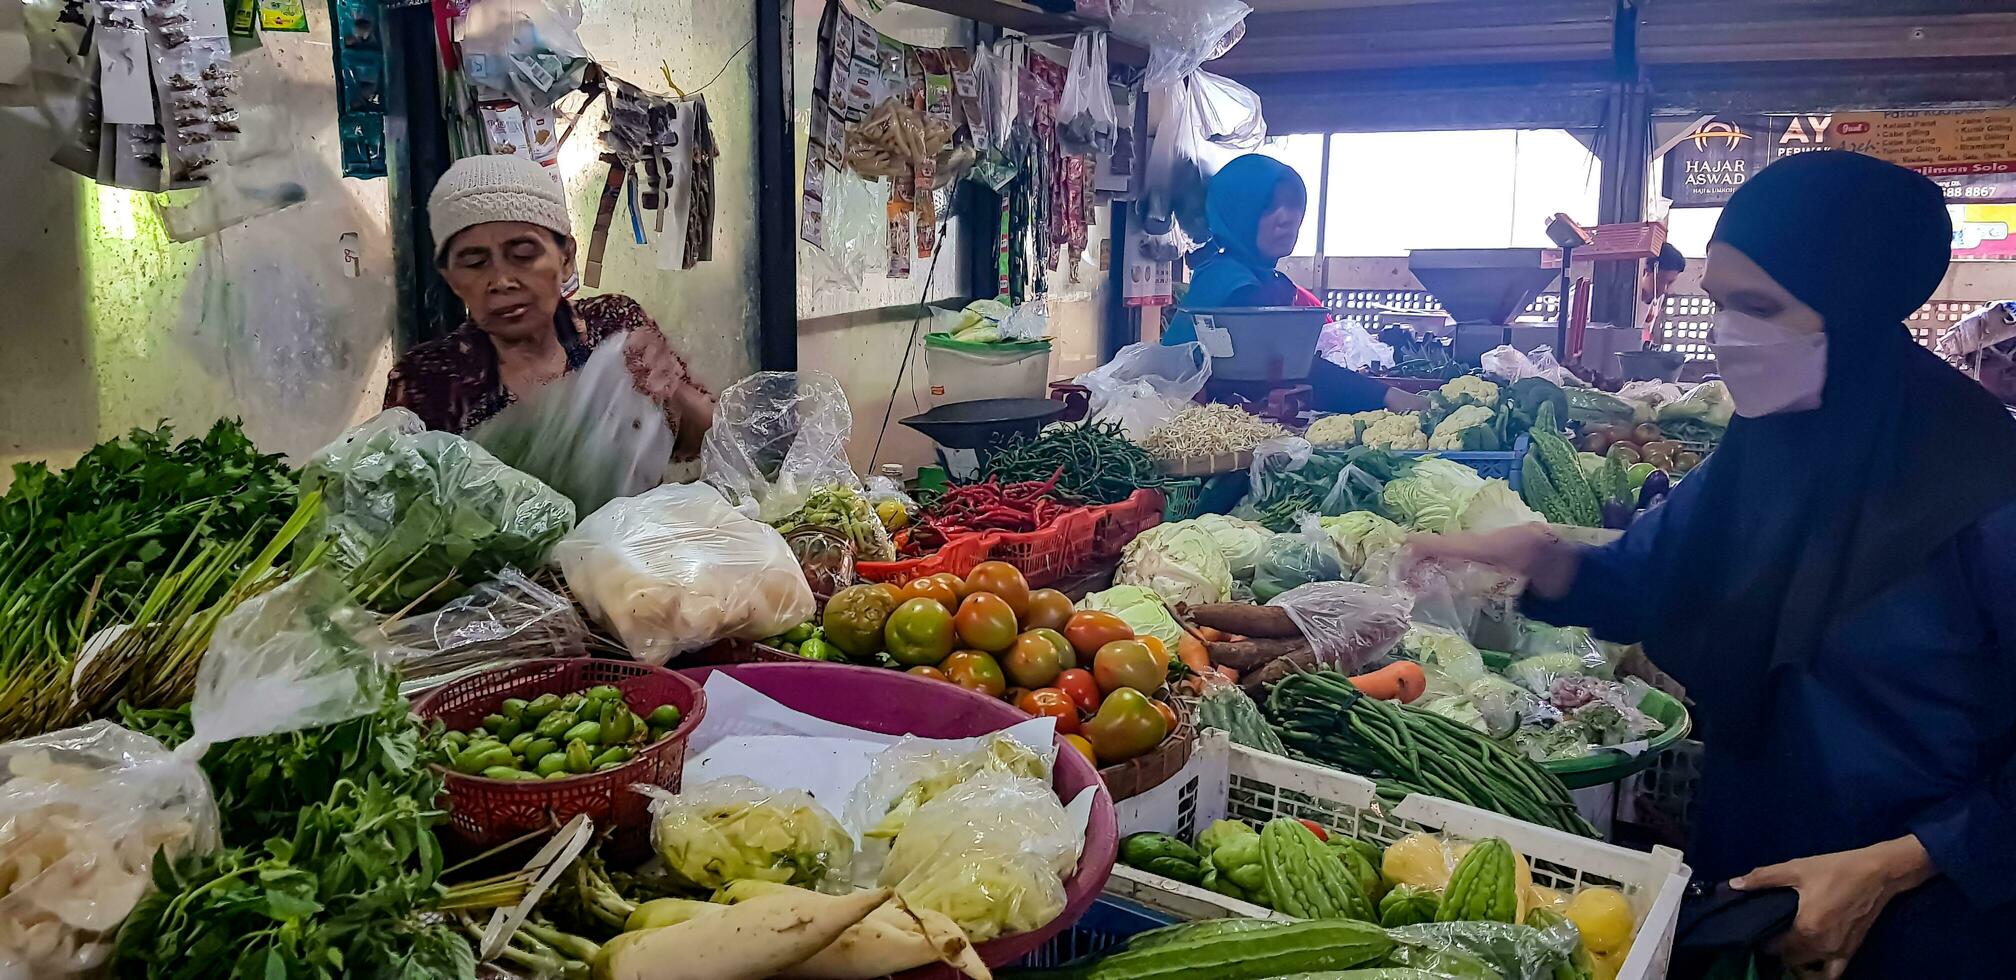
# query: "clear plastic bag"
1273,457
734,828
777,437
1290,561
1180,35
676,568
1515,952
991,854
1203,123
914,771
1086,122
1348,625
1352,347
83,811
529,50
590,434
1145,385
415,513
509,617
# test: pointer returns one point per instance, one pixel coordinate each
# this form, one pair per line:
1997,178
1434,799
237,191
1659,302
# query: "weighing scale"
966,432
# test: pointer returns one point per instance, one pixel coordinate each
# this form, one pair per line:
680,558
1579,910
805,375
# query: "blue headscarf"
1240,194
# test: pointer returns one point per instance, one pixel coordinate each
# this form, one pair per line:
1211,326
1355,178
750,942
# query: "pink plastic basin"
895,703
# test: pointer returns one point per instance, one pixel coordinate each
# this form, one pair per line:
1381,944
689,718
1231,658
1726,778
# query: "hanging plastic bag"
1146,385
590,434
408,513
1086,121
529,50
857,233
509,617
777,437
1352,347
991,854
1347,624
1202,125
676,569
1180,35
86,809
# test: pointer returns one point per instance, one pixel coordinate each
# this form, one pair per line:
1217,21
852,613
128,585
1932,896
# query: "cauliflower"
1333,430
1396,432
1469,390
1467,428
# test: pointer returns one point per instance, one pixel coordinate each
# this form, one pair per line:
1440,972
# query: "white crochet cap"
497,187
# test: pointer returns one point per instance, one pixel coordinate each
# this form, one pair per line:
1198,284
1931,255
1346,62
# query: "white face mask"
1767,367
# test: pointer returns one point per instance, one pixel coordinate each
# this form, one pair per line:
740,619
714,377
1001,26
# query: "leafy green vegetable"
1143,610
92,546
1433,496
1179,562
1294,560
411,515
1362,534
1497,506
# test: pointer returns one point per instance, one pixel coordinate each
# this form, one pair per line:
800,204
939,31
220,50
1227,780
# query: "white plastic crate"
1232,781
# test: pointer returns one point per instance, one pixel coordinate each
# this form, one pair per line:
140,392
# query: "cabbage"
1239,541
1179,562
1143,610
1537,674
1448,659
1709,402
1497,506
1293,560
1432,497
1361,534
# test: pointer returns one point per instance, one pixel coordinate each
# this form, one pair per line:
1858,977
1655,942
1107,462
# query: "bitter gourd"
1283,950
1484,886
1304,878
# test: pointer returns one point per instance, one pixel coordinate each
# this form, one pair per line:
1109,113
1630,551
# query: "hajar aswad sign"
1970,153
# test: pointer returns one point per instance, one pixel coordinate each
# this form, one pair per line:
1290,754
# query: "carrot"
1190,650
1402,681
1210,634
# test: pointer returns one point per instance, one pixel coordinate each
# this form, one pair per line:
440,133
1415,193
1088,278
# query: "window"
1390,193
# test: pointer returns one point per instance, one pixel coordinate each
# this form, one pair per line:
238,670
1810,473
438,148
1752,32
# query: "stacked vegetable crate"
1227,781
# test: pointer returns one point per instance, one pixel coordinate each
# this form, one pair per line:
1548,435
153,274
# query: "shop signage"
1971,153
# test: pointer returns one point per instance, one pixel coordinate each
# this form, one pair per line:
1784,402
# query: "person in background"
1255,205
1847,633
507,251
1658,279
1984,344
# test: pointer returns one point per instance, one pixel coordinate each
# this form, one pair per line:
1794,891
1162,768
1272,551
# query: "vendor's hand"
1840,896
1530,551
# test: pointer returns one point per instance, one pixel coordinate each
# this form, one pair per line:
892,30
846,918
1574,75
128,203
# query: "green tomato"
817,649
920,633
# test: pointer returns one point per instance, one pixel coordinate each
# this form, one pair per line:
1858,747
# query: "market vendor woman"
506,249
1255,206
1836,586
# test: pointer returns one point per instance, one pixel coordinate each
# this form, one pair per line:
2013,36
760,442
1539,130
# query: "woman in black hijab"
1836,586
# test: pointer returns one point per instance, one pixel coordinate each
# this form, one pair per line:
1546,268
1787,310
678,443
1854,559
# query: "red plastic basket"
489,812
958,556
1123,522
1052,554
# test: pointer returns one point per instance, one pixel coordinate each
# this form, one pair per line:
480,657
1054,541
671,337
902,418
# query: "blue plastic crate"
1494,465
1108,923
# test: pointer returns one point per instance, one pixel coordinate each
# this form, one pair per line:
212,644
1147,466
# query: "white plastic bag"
590,434
1507,362
529,50
83,811
1146,385
1086,121
1352,347
1348,625
777,437
1180,35
991,854
1202,124
676,569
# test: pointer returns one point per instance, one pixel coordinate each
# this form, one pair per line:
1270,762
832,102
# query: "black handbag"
1722,932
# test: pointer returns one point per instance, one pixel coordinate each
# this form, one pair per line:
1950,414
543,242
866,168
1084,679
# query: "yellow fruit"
893,516
1543,897
1604,916
1607,965
1417,859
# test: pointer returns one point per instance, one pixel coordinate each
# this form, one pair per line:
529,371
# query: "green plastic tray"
1610,765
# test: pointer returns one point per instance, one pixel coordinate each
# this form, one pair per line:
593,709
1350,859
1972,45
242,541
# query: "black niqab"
1807,515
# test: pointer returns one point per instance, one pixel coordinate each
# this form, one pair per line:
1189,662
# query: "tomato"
1065,655
1129,663
1316,828
975,671
1154,645
1054,703
1003,580
1168,713
1127,725
1084,748
930,587
1083,689
855,618
895,594
1032,661
986,623
930,672
1088,631
1048,609
919,633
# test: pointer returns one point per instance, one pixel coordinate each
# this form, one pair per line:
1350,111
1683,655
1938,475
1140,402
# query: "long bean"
1323,719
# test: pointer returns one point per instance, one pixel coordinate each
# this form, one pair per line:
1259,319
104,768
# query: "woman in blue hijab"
1255,206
